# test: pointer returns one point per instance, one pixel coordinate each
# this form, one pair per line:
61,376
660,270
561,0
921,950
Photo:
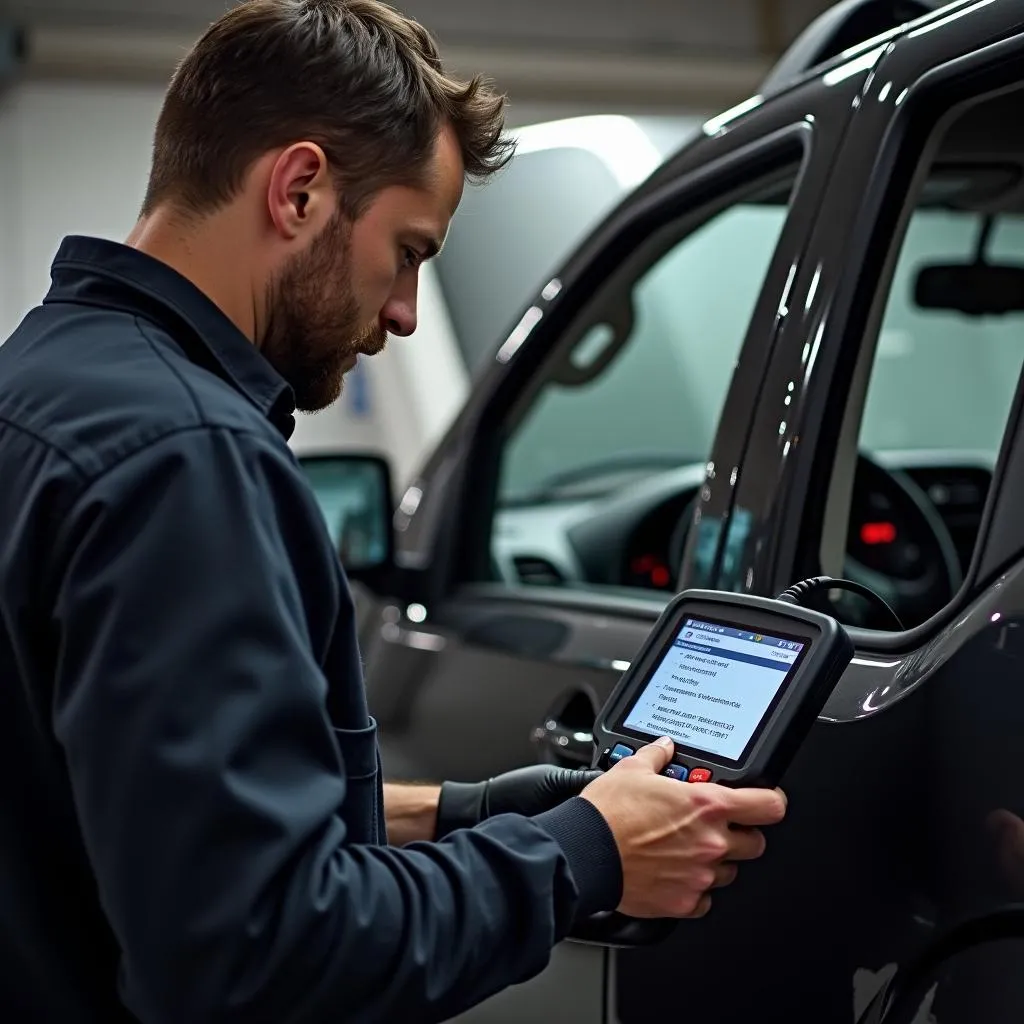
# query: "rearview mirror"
974,289
354,495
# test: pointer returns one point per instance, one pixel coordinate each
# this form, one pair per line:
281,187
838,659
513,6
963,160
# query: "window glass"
660,398
944,374
510,235
634,403
943,380
940,393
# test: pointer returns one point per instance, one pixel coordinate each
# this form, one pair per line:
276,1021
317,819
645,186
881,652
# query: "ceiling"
706,53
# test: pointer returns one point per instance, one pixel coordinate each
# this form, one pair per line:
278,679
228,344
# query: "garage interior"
81,83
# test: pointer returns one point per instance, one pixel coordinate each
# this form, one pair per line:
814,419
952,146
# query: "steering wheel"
897,544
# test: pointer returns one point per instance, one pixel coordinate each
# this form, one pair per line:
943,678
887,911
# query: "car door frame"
785,489
780,485
442,538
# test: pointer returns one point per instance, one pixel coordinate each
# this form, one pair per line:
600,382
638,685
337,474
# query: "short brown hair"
358,78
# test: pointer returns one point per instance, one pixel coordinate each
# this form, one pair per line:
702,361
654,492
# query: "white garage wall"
74,158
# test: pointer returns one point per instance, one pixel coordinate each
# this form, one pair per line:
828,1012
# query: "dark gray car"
852,406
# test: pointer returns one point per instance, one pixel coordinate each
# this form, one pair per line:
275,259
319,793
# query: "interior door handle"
565,742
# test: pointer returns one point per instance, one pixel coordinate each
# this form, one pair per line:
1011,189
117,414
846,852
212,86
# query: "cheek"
376,262
373,281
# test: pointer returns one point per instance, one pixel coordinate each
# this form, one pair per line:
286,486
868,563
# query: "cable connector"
799,591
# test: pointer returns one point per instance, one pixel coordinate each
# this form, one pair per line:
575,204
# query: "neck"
205,251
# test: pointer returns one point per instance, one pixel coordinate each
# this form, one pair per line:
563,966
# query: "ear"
301,195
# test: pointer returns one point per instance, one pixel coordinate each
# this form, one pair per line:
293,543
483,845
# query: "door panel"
786,940
460,696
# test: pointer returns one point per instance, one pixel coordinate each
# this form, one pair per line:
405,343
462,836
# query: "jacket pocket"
361,766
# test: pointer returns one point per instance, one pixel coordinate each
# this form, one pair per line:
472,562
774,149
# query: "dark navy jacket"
186,834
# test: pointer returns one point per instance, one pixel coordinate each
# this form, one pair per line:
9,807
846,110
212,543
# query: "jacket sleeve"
209,783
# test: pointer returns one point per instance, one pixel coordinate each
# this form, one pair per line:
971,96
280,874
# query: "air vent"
537,572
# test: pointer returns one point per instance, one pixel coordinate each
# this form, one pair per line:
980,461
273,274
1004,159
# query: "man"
192,824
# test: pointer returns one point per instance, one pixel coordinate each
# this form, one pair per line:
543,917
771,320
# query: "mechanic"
193,826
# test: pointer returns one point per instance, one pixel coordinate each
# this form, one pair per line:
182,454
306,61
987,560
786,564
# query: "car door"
887,447
544,536
590,430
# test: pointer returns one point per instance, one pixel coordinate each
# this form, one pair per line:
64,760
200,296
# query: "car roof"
847,32
818,56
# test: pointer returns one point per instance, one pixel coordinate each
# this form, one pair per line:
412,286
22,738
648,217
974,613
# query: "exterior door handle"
564,743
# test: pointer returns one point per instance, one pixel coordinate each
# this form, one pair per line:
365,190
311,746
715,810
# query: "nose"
398,315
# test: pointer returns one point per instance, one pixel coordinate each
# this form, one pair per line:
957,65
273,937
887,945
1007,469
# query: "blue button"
676,771
619,751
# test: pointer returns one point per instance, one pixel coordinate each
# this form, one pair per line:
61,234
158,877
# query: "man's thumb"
656,755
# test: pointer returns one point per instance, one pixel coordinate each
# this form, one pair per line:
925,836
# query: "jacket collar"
96,271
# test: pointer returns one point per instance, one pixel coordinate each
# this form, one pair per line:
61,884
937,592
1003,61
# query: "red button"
700,775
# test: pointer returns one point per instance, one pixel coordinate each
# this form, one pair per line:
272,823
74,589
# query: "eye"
411,258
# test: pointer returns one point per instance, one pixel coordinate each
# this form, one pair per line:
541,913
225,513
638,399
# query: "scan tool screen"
714,687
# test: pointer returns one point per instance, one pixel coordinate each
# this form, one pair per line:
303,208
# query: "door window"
944,371
510,236
603,458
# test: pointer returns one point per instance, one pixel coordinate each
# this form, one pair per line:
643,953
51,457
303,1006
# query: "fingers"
567,782
754,806
725,874
1009,829
703,906
696,904
654,757
745,844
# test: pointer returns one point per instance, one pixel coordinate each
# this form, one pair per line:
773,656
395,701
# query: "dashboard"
634,536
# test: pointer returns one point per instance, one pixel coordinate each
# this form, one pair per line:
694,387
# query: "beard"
313,333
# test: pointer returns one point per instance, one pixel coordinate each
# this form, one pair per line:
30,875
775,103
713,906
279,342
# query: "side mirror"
354,495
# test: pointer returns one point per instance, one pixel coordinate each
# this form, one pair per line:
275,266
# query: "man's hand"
527,791
678,841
